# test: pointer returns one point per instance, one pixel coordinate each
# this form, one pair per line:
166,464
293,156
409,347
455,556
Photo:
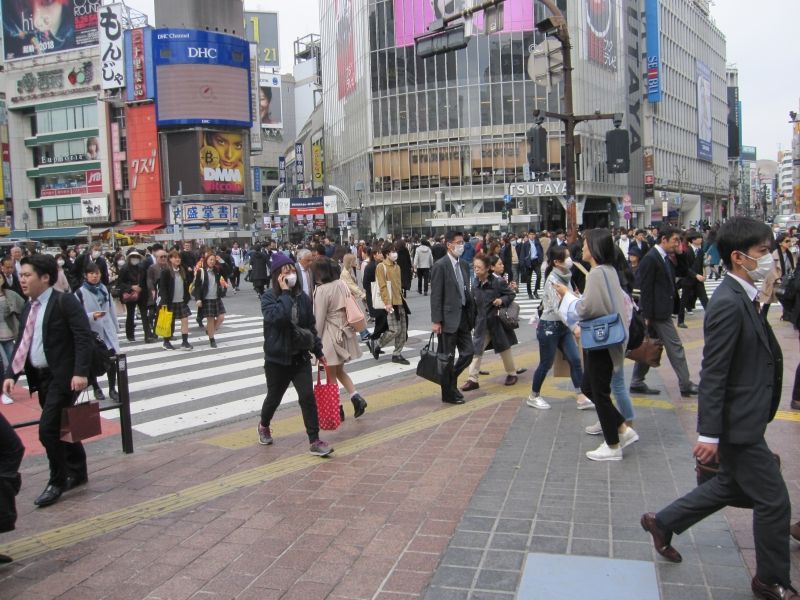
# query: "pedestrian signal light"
537,149
618,158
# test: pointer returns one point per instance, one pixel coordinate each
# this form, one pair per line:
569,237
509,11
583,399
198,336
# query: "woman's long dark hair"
276,287
601,246
554,253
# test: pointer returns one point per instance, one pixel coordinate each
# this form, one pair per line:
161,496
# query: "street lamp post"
178,203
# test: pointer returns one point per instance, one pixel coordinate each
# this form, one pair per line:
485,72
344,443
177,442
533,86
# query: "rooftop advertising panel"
202,78
37,27
412,17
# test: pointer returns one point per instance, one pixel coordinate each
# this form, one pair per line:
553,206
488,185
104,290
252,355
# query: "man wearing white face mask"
453,312
740,391
93,254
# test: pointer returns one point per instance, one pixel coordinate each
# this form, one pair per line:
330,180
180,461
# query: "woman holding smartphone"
99,306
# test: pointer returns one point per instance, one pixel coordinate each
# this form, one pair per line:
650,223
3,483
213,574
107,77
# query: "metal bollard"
124,404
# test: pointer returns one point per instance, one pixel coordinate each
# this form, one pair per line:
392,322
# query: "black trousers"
461,340
597,386
536,268
130,317
689,296
423,277
749,474
235,275
11,452
278,379
65,458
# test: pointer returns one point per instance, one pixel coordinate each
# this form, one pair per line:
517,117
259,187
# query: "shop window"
402,114
412,113
411,69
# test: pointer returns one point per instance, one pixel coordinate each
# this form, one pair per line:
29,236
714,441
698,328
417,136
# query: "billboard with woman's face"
222,162
36,27
269,102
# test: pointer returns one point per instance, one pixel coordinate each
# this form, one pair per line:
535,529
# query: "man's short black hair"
739,234
693,235
667,232
452,235
42,264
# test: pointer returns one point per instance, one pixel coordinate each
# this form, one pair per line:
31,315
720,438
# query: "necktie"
27,336
757,305
460,280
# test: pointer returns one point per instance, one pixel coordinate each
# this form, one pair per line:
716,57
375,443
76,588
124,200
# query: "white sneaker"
628,438
603,452
537,402
595,429
583,403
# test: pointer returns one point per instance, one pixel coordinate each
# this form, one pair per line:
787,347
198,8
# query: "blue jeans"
6,348
553,335
621,394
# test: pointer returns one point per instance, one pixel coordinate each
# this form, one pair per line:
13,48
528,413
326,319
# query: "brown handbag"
648,352
80,422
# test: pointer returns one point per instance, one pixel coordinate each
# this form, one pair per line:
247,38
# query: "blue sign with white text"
653,33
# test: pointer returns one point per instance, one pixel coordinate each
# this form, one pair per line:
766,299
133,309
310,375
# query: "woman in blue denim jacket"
553,334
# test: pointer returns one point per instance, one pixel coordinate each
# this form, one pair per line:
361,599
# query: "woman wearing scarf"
103,320
553,334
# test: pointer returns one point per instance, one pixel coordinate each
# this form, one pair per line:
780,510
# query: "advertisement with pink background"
412,17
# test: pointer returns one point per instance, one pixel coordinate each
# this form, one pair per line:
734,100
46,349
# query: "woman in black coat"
404,262
173,292
491,293
132,283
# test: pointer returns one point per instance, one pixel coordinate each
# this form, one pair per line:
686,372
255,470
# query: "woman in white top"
99,307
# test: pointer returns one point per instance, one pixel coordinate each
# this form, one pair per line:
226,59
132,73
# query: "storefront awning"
144,228
55,233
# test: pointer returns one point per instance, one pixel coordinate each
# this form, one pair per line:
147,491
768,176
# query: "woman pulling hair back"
290,337
602,296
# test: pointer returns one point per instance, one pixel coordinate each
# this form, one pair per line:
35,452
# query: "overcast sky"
763,42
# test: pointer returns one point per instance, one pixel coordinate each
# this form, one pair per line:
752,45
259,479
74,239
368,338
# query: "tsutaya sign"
537,188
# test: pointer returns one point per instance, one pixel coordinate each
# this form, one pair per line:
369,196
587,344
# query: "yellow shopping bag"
164,322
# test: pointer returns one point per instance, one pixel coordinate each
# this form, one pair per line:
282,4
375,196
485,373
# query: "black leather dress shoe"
643,389
470,385
74,481
453,400
692,390
458,395
400,359
772,592
661,538
49,496
4,558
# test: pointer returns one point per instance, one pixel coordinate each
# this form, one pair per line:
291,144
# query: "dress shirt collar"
453,260
661,251
749,289
45,296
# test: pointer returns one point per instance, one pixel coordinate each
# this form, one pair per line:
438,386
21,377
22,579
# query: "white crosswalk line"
222,412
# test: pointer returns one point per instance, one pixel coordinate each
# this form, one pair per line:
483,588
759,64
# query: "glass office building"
407,137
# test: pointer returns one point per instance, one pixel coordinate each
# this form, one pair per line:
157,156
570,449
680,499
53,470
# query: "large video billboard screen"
206,162
36,27
261,28
412,17
202,78
269,101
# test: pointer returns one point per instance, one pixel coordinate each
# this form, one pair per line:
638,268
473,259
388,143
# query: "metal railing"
119,363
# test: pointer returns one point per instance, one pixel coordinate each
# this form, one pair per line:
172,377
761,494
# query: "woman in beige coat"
348,264
339,340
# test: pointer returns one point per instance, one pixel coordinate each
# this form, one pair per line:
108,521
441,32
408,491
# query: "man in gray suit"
740,390
452,312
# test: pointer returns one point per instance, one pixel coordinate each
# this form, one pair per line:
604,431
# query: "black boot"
359,405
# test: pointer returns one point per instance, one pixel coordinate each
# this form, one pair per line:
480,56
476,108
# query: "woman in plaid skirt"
209,288
173,292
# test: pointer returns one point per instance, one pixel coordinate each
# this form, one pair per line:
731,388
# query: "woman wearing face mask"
102,315
391,315
209,288
290,337
553,334
173,292
490,293
132,277
62,283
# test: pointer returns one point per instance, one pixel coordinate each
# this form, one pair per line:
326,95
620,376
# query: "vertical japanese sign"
111,47
601,33
704,122
653,33
6,170
256,145
282,170
257,179
299,164
345,55
118,157
137,52
317,161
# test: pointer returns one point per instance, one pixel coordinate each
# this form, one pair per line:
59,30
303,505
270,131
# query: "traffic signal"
537,149
618,157
441,41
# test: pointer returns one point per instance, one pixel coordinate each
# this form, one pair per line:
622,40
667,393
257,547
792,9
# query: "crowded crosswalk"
176,392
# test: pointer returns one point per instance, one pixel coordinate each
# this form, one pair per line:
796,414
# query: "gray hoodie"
423,258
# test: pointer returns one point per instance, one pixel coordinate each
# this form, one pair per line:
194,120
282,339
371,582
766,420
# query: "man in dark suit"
640,242
93,254
53,348
696,269
740,390
10,277
438,249
656,279
453,312
531,255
